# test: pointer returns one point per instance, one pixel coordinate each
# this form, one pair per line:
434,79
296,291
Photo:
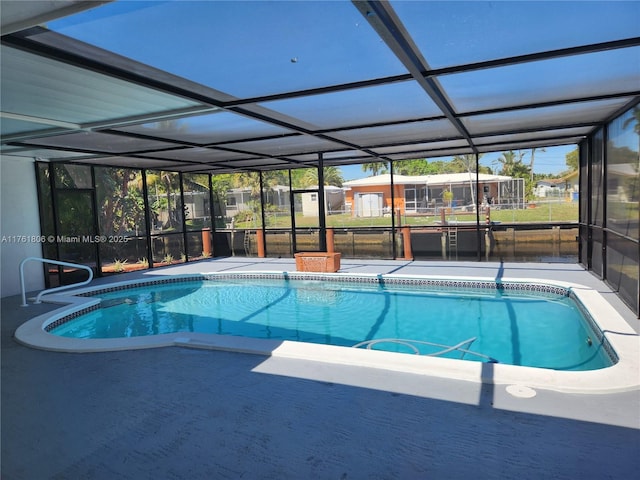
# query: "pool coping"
622,376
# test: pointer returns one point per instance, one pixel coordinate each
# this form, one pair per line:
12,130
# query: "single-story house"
333,201
426,194
622,182
558,187
196,205
237,199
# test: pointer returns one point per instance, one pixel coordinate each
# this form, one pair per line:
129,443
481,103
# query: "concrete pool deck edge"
623,376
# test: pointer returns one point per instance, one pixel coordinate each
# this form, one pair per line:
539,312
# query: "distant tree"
436,167
332,176
442,166
376,168
468,164
250,180
635,118
221,184
297,177
572,160
512,165
531,162
520,170
119,199
165,182
198,182
416,167
623,155
463,163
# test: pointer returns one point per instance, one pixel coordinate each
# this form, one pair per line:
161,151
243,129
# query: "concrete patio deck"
178,413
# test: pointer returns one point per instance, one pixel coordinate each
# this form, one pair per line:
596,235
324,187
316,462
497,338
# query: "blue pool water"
515,327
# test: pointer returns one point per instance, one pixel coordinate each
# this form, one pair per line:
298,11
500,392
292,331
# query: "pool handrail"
54,289
409,343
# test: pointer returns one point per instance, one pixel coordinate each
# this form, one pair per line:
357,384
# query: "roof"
548,182
326,188
622,169
443,179
245,86
574,175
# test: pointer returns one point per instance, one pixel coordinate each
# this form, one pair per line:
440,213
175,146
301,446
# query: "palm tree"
375,167
511,163
468,163
634,118
165,182
120,200
463,163
533,156
332,176
249,180
196,181
513,166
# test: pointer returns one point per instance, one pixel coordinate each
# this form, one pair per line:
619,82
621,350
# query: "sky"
246,49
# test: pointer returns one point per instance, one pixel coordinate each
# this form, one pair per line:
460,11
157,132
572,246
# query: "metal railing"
50,290
411,344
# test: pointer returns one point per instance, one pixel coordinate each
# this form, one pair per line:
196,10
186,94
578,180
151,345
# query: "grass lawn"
542,212
556,211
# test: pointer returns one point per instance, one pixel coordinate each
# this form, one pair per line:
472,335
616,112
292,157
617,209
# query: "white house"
558,187
425,194
333,201
196,205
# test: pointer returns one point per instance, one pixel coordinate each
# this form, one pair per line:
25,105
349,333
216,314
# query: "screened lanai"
182,130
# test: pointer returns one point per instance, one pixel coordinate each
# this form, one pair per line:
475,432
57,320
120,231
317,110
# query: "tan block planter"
317,262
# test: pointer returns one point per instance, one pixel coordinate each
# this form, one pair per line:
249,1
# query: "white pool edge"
622,376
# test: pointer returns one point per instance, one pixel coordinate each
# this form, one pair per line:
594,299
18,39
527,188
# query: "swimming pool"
191,311
518,324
